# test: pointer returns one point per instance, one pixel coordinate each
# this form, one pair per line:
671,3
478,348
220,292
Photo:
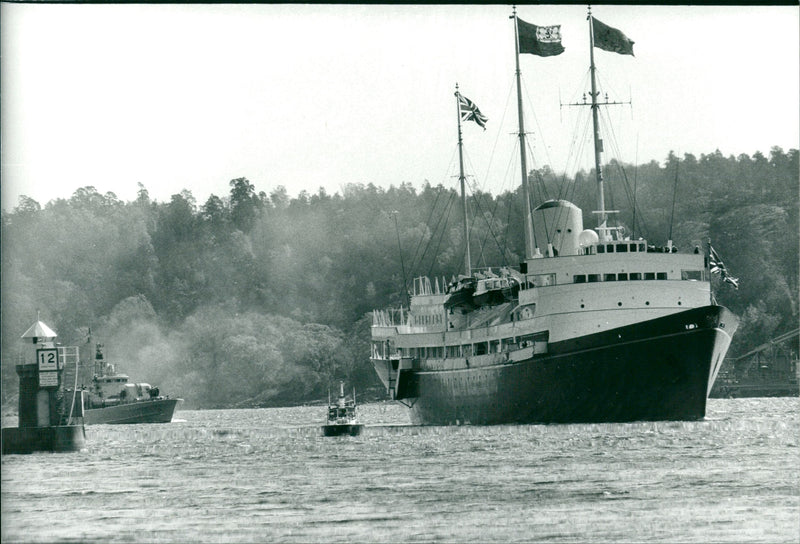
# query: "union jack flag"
470,112
716,266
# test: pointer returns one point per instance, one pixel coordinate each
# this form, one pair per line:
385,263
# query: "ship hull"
147,411
346,429
661,369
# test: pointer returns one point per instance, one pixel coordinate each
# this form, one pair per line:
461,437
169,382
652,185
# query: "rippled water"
270,476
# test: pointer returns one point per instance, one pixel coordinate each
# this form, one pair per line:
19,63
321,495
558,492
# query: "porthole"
647,303
619,304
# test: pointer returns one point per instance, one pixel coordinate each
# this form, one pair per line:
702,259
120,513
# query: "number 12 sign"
47,359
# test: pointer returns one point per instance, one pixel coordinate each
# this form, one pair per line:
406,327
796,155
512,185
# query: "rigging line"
576,151
400,251
477,198
542,188
509,200
476,191
443,219
414,262
574,132
631,195
582,142
441,235
536,121
489,231
492,214
513,164
497,138
445,215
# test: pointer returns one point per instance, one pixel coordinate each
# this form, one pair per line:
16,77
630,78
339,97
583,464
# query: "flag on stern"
610,39
470,112
716,266
544,41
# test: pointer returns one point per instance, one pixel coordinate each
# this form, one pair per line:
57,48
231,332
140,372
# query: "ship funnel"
557,225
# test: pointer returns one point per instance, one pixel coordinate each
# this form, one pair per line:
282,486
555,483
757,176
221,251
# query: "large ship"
593,327
113,399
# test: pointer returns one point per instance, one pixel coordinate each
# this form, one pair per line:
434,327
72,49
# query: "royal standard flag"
470,112
544,41
611,39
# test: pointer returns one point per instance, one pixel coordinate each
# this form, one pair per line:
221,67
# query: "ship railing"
422,286
390,317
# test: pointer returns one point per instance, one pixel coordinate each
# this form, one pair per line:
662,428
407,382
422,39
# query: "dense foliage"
256,299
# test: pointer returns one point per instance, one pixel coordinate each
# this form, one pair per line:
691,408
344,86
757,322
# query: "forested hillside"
259,298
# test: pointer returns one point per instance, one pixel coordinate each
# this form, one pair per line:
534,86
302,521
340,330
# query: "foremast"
612,40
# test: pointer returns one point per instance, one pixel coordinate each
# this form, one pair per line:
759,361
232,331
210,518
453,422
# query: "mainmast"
462,180
529,249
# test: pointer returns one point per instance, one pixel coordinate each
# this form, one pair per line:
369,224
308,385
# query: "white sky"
307,96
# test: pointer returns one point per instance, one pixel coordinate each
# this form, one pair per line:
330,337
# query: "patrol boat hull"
661,369
145,411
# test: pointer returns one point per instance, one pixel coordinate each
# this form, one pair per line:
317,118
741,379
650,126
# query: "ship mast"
529,250
462,180
598,142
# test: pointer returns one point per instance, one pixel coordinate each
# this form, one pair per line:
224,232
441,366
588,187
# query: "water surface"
269,475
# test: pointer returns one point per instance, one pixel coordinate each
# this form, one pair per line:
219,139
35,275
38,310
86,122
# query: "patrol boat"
342,417
602,328
112,398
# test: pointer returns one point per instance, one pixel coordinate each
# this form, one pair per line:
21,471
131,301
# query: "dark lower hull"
661,369
787,388
56,439
146,411
342,430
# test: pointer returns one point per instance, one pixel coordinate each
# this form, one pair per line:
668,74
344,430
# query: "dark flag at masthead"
610,39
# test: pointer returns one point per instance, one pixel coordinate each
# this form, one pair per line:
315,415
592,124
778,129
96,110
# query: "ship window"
480,348
661,276
649,275
593,277
529,339
622,248
609,248
636,276
634,248
696,275
622,276
579,278
542,280
601,249
609,277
